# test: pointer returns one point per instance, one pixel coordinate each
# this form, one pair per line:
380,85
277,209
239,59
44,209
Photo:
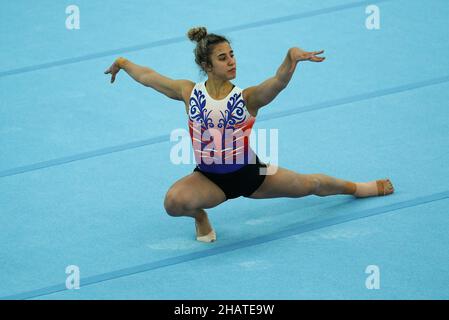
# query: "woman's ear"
206,67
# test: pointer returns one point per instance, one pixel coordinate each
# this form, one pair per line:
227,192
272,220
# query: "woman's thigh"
285,183
196,191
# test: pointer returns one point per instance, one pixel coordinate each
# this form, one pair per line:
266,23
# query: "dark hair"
205,45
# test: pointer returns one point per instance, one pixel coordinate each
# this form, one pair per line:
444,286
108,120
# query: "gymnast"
218,106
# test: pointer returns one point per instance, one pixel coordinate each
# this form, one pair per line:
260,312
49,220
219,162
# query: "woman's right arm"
148,77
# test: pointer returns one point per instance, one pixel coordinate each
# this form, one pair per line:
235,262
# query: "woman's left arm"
262,94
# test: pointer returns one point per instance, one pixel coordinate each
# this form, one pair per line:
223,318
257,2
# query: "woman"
217,110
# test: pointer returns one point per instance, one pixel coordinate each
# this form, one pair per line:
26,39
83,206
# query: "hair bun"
196,34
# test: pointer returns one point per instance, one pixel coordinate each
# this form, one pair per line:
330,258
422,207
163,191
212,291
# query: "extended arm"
149,78
264,93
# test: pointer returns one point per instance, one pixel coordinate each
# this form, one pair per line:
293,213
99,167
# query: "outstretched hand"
297,54
113,70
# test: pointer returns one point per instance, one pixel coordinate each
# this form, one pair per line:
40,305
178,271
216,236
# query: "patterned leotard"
219,130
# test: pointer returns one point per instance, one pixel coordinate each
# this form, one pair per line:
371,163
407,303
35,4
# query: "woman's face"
224,64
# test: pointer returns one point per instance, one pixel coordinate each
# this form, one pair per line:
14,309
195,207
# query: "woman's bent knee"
175,203
170,204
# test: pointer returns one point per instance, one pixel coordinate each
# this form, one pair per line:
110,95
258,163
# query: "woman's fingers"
317,59
112,71
313,56
112,68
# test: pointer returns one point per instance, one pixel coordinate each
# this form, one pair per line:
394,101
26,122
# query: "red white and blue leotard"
219,130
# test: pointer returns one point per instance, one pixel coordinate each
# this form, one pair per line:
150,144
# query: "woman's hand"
114,69
297,54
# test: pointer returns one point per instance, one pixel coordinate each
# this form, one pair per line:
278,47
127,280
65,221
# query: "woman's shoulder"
187,87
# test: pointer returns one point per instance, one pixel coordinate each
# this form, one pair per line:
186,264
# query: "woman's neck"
218,88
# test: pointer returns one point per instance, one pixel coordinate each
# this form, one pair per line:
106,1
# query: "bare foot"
204,231
375,188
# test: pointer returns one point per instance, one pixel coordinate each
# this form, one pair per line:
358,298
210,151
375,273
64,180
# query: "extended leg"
287,183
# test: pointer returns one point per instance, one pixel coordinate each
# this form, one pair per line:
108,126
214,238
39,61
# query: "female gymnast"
217,106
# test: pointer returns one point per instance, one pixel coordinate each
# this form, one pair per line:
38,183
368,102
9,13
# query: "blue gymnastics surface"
85,165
